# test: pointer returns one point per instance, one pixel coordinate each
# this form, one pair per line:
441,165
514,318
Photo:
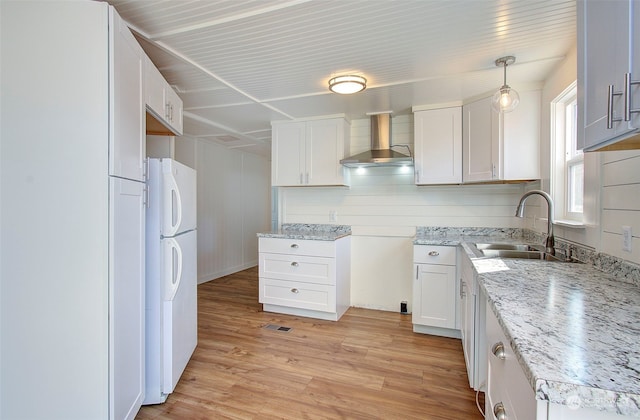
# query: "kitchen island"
573,328
305,270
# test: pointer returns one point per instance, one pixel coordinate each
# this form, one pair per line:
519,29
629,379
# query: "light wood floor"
368,365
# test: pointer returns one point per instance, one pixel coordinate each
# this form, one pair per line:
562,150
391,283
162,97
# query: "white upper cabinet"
163,103
308,153
126,145
608,64
438,146
501,147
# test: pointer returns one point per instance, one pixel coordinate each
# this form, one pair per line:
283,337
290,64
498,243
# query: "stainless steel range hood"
380,153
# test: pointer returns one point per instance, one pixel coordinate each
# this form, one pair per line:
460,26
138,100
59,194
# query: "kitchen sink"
509,250
508,247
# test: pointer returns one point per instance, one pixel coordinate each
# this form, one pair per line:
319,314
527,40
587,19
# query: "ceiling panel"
238,65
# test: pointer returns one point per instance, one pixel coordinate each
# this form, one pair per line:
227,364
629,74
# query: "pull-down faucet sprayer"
550,242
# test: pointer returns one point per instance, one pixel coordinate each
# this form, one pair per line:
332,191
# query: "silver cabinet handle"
462,287
434,253
294,264
498,350
499,412
294,246
294,290
627,96
610,119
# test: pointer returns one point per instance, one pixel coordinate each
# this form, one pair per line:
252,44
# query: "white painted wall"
233,205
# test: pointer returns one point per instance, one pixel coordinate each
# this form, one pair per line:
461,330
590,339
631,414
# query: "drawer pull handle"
498,350
434,253
294,246
294,264
499,412
294,290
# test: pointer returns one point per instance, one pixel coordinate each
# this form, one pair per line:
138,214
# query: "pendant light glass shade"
506,99
347,84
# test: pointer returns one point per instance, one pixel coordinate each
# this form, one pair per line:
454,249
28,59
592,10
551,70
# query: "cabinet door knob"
434,253
294,246
498,350
294,264
499,412
294,290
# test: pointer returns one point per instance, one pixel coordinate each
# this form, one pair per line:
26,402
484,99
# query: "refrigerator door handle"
172,268
173,211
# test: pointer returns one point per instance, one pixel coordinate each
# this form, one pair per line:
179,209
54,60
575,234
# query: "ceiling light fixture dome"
347,84
506,99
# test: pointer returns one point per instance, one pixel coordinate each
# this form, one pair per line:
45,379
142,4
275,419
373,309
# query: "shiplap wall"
233,205
620,202
383,208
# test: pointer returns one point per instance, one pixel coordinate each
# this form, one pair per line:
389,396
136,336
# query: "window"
567,171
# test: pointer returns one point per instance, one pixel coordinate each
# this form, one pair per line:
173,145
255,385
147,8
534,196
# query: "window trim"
559,183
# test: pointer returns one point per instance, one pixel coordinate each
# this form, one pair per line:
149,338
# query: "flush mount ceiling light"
347,84
505,99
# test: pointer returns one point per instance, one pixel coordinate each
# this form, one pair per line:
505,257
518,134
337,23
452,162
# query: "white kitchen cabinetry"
608,63
509,394
163,103
434,290
308,153
305,277
72,215
438,146
501,147
508,390
472,324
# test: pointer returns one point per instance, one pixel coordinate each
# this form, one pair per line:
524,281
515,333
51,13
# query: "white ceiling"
240,64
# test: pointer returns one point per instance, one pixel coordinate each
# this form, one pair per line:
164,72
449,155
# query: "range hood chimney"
380,153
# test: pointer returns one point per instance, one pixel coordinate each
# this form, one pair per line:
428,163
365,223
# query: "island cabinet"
308,153
438,146
608,74
434,290
305,277
500,147
163,104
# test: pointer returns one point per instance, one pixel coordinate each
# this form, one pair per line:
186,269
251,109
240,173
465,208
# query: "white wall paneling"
233,205
620,202
383,207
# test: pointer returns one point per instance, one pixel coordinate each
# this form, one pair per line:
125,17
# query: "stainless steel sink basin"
509,247
509,250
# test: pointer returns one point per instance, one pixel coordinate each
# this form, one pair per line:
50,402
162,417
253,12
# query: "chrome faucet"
550,242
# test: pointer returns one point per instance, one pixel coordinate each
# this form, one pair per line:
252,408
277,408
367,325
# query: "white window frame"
564,155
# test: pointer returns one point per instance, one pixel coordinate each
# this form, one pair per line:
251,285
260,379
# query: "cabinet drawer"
316,297
297,247
301,268
506,382
434,254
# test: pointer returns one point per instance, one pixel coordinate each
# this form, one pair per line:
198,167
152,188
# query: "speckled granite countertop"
309,231
574,329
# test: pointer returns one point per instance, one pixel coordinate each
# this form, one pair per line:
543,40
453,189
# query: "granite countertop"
574,329
308,231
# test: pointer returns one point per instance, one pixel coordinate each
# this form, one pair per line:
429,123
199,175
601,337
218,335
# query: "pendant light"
347,84
506,99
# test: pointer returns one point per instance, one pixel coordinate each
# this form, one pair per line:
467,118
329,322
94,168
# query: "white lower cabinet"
509,394
434,306
472,324
305,277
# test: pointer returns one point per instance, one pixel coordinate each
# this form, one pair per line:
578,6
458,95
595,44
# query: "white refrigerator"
171,276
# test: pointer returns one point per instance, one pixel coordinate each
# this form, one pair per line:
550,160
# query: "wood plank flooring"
368,365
